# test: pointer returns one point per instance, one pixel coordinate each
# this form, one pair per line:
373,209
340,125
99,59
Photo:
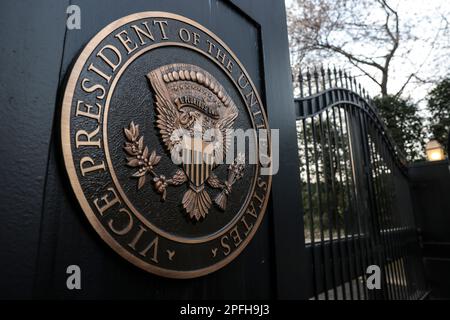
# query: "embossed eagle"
190,100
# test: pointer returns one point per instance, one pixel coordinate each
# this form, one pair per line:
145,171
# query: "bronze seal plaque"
150,113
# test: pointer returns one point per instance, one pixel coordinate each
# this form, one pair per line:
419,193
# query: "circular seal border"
70,167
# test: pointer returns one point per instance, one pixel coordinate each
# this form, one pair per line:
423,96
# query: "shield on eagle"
191,101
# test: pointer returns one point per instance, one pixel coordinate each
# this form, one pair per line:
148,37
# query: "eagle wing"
166,121
167,116
225,126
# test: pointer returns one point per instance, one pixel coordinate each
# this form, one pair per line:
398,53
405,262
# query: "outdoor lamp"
435,151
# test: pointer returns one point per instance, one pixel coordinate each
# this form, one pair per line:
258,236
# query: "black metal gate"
355,192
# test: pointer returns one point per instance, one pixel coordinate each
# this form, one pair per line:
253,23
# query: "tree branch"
365,72
399,92
349,55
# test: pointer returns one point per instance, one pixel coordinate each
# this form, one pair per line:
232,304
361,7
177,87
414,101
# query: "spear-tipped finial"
350,80
316,79
300,82
322,74
335,76
329,77
308,80
346,79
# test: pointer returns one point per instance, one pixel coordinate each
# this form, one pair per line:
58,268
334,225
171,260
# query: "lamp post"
434,150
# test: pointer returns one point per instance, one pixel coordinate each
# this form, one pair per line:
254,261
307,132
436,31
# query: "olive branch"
140,157
235,172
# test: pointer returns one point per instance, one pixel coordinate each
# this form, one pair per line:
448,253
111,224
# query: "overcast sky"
434,62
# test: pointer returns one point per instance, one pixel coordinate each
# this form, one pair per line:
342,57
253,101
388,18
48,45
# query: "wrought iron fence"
355,192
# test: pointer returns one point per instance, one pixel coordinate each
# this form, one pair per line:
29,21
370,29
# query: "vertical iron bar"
346,80
316,80
393,232
402,244
322,73
319,202
362,188
300,82
388,233
334,207
381,196
371,225
362,243
308,79
311,211
329,77
355,145
327,195
349,213
335,77
379,207
341,196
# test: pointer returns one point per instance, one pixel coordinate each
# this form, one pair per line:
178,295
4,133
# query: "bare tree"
370,34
